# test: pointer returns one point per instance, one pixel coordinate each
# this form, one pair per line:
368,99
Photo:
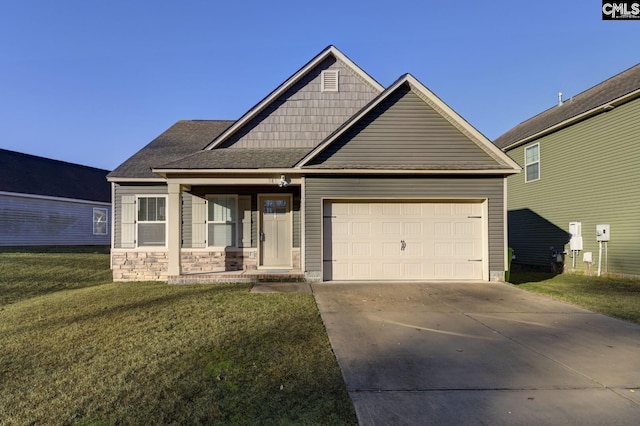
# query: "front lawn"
616,297
149,353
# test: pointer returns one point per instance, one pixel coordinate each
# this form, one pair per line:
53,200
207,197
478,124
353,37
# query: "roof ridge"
52,160
603,93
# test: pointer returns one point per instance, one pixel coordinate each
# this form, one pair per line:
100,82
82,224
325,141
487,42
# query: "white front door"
275,231
403,240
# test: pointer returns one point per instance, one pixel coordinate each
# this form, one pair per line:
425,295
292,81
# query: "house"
580,161
46,202
331,176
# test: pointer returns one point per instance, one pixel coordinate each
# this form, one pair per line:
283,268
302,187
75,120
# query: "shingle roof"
240,158
182,139
29,174
600,95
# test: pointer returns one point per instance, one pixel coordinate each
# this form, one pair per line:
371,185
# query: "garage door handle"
403,245
475,260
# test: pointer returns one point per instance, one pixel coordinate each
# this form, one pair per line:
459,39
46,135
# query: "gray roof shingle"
240,158
29,174
182,139
602,94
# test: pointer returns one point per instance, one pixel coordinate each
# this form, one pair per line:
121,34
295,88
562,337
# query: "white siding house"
46,202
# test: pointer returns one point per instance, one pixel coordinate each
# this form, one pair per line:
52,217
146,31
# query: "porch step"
252,277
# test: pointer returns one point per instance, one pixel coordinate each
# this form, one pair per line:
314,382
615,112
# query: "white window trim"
93,223
323,84
208,198
165,221
526,175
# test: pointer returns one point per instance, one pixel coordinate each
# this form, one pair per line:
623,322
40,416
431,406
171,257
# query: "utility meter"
602,233
575,229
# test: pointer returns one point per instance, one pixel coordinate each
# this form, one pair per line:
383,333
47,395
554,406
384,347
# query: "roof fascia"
53,198
134,180
443,109
330,50
580,117
310,171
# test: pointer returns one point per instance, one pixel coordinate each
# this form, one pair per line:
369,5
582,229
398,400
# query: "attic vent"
329,81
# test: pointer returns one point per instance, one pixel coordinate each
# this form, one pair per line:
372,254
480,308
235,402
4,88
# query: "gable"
305,114
403,131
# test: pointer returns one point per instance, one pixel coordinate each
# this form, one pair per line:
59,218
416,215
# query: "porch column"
174,240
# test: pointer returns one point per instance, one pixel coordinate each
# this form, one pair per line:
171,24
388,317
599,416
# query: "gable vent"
329,81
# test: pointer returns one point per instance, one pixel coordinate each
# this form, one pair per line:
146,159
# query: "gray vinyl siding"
304,115
251,191
132,190
33,221
589,174
317,188
401,131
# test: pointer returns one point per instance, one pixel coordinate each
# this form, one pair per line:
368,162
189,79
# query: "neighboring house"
331,176
45,202
581,164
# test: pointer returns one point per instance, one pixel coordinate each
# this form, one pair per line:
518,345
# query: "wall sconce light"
283,182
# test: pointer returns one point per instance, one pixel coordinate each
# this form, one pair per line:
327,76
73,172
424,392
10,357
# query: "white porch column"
174,221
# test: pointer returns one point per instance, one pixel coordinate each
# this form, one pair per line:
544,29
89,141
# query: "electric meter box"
602,233
575,243
575,229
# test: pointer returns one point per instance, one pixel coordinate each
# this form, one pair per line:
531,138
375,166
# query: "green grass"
78,349
616,297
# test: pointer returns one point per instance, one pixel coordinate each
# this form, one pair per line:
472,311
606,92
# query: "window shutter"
198,222
244,216
128,221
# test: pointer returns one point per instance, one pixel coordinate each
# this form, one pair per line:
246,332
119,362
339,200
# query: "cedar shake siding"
304,115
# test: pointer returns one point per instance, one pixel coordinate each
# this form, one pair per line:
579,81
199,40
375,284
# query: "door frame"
261,198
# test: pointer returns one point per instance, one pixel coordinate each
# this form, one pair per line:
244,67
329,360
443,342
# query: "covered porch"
234,228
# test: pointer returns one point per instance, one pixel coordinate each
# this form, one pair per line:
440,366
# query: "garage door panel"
361,250
391,269
361,270
412,270
442,229
390,249
362,240
443,249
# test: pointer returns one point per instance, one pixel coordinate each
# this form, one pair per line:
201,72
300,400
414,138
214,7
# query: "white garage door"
403,240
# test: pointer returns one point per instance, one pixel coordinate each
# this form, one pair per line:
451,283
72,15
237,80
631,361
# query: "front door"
275,231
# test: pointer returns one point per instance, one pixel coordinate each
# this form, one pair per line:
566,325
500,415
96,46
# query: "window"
329,81
222,219
99,221
532,163
152,221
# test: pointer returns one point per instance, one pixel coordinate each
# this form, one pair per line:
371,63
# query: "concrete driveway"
479,353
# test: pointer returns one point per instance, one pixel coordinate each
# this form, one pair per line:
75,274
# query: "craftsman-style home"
330,177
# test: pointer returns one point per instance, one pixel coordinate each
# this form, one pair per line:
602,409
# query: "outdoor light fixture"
283,181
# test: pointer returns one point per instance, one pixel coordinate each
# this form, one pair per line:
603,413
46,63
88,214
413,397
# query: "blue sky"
92,82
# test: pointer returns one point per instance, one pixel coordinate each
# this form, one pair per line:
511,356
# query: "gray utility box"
602,233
